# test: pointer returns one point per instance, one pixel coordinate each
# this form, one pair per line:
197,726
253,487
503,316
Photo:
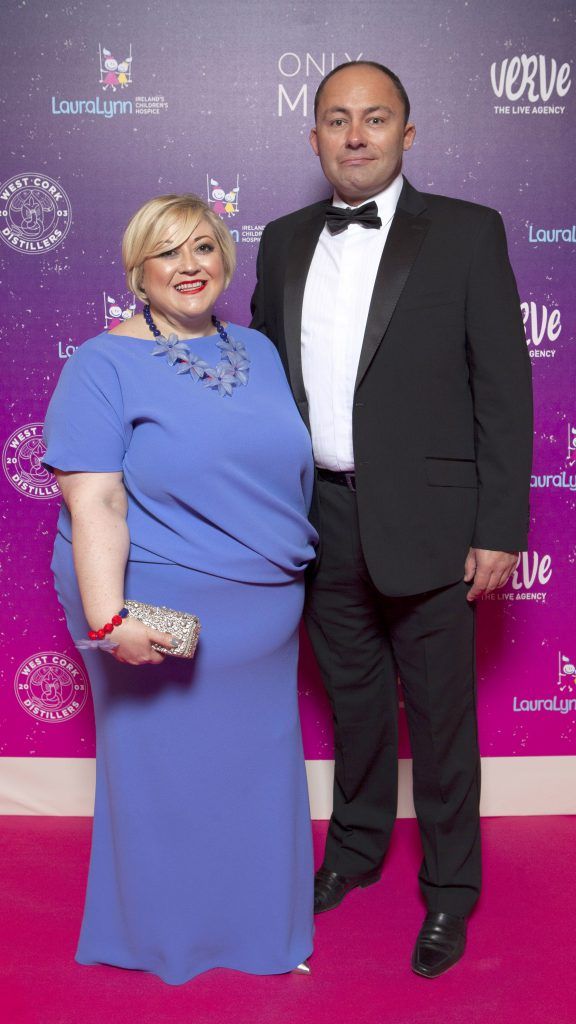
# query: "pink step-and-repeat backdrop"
106,105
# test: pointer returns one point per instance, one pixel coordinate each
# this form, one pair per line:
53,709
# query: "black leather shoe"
331,888
440,944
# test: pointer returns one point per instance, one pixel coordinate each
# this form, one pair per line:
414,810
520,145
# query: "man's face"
360,134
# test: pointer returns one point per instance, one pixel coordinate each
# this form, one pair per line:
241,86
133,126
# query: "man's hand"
488,569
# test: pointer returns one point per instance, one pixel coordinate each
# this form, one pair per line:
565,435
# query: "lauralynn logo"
565,685
114,74
555,235
566,674
22,463
571,446
530,84
543,327
117,312
35,213
529,580
115,70
51,687
223,201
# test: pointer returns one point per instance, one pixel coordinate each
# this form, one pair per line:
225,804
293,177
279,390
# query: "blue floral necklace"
233,368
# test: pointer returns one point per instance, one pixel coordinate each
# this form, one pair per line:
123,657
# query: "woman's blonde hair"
166,222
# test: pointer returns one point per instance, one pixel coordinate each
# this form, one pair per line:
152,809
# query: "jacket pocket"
451,472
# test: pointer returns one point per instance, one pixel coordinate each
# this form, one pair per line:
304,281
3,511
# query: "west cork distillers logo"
35,213
51,687
114,86
529,580
530,84
543,327
565,480
563,701
22,463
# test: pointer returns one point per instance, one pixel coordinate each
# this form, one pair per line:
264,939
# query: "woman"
186,474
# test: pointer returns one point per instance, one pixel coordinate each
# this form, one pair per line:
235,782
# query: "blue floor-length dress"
201,850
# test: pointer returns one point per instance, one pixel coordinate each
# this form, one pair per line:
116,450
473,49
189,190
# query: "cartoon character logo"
566,674
571,455
222,202
113,73
114,313
124,69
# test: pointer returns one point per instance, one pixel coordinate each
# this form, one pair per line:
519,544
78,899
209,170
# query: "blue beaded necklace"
231,371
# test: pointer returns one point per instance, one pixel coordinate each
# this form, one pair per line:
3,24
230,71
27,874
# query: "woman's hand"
134,641
98,506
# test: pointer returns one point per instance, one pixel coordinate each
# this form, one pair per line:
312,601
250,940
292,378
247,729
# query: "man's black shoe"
440,944
331,888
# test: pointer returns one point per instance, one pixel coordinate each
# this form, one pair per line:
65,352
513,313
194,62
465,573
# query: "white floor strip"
510,785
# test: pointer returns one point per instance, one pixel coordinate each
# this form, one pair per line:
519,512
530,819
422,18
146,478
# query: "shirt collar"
386,201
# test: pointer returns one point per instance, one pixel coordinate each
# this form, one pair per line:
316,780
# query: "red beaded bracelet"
108,627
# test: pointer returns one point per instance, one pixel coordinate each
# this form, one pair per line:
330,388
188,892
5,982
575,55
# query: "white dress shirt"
334,313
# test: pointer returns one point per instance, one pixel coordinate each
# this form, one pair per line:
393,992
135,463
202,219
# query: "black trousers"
363,640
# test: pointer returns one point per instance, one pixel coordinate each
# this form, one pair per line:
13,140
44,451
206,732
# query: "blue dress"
201,849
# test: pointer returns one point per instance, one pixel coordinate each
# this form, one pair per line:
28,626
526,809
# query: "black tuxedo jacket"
442,419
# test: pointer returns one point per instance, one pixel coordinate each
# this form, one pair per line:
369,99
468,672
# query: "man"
397,317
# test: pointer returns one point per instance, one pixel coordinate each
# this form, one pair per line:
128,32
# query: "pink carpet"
519,967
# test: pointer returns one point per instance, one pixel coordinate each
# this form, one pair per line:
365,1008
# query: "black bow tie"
338,219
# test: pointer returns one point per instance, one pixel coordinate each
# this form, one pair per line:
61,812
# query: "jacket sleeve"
257,307
500,378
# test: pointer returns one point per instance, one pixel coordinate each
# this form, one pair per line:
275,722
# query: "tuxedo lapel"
299,258
407,232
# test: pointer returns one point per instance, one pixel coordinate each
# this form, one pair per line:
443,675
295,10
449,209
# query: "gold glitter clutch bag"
184,628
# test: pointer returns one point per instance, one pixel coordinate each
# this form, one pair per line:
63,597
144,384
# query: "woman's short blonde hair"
166,222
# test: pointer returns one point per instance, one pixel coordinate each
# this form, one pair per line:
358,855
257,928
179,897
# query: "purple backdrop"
107,105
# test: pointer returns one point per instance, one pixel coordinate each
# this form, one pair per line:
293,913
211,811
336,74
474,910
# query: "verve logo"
532,568
543,327
528,582
533,78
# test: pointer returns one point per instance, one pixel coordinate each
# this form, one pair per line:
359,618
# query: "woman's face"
183,283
